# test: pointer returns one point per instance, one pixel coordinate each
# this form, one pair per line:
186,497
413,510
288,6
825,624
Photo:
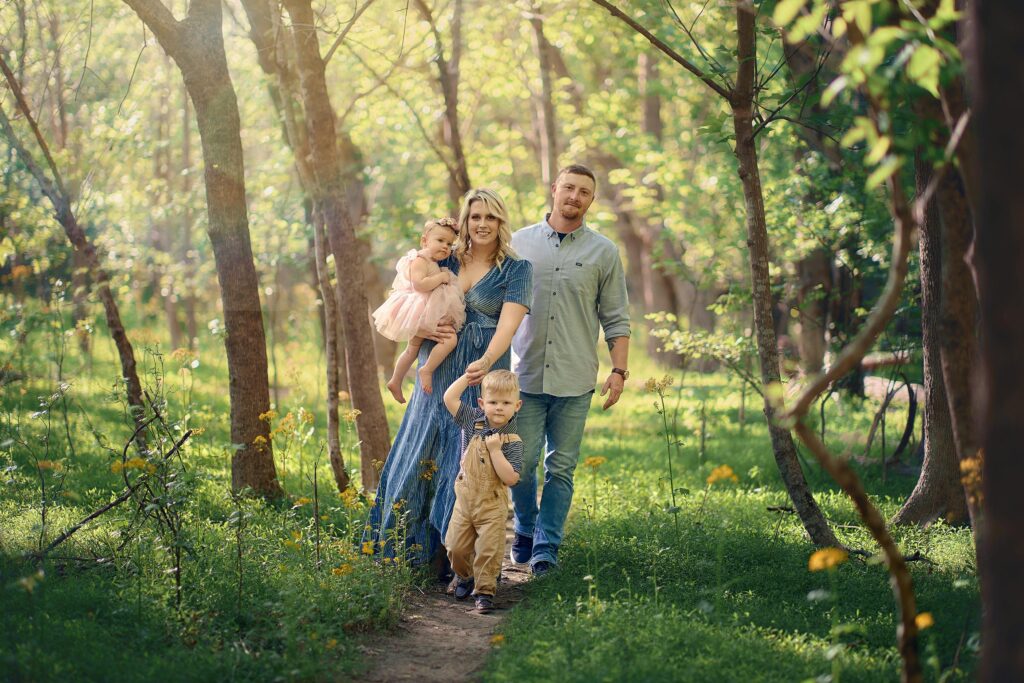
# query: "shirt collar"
550,232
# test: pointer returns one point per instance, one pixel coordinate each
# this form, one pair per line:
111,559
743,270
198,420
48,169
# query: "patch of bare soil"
439,638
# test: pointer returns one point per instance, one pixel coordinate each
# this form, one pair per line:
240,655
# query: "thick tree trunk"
197,45
958,314
814,274
938,493
328,198
757,243
999,107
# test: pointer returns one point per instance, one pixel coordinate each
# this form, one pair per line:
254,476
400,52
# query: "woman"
416,493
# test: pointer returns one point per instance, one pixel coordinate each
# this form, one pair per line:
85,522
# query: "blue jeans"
554,424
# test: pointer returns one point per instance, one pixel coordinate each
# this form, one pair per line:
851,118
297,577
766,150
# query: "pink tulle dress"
406,311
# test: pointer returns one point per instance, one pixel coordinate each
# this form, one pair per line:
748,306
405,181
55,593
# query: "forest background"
238,179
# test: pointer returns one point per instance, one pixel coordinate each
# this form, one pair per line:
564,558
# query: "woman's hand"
476,370
444,332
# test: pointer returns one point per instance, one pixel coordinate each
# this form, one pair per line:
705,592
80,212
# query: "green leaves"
923,68
786,11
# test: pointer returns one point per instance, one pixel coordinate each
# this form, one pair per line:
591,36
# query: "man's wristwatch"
620,371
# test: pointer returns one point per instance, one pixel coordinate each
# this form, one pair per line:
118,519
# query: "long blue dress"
416,490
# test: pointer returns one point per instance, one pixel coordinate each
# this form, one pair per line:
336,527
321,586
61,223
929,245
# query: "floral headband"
446,222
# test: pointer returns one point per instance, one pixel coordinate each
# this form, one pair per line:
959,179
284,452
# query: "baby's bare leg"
437,354
405,361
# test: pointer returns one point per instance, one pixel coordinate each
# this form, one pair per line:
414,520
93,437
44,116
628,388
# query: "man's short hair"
577,169
501,381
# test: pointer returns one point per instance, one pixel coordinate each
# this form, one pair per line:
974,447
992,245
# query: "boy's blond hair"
501,381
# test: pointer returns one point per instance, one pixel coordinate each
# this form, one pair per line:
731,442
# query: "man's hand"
613,387
444,332
493,442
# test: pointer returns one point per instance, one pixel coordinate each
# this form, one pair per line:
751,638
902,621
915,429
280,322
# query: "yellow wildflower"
367,547
50,465
20,272
292,544
595,461
497,640
429,468
924,620
331,644
351,415
198,431
342,569
377,464
349,498
268,416
308,417
651,385
720,473
303,501
827,558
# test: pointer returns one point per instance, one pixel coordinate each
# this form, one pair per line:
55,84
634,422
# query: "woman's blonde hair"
496,206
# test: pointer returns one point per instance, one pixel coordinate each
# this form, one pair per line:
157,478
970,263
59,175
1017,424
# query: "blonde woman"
417,482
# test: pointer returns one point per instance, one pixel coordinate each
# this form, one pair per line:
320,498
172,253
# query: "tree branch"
658,43
341,37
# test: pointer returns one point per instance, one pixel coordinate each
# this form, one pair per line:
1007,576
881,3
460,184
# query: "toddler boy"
492,456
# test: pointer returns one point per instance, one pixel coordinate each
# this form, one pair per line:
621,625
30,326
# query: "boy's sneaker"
484,604
522,549
463,587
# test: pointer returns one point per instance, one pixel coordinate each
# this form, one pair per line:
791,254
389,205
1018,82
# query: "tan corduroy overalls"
476,532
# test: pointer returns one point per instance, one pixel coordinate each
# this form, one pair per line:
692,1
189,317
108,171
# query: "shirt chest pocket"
583,278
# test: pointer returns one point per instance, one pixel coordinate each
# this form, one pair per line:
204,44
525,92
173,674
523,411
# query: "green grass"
717,591
103,605
720,590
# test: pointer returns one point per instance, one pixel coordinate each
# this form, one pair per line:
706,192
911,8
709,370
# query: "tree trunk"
328,198
197,46
938,493
187,254
999,109
546,104
958,314
57,194
448,78
330,313
757,243
814,273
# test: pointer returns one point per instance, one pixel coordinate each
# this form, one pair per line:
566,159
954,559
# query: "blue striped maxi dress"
412,494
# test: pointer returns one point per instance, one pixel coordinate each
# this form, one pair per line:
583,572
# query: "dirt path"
439,638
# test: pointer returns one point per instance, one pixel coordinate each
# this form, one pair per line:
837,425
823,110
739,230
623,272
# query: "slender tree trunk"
546,104
330,314
814,273
187,255
999,107
757,243
55,191
328,198
938,493
448,77
197,46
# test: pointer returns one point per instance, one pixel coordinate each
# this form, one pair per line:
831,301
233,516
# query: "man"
578,286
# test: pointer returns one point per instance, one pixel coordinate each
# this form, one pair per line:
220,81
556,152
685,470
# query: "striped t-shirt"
474,423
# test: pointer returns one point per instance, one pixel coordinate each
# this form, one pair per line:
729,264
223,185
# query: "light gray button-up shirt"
578,285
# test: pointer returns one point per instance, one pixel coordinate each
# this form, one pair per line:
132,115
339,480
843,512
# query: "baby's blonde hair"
445,222
500,381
